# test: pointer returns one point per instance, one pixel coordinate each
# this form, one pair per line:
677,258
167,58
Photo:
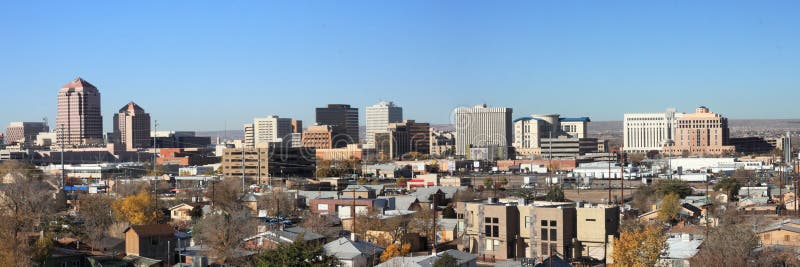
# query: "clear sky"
203,65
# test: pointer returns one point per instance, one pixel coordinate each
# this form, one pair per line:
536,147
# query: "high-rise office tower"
343,119
24,132
482,126
379,116
131,128
271,129
79,121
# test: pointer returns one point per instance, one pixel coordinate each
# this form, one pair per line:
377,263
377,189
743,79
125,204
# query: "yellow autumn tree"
136,209
639,246
670,206
395,250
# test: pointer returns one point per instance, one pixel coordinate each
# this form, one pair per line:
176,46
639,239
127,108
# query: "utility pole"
622,157
155,147
608,181
433,216
63,173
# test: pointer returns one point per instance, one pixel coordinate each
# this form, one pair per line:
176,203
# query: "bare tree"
278,203
226,194
27,198
96,215
729,244
224,233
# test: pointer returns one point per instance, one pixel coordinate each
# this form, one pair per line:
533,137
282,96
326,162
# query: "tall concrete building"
24,132
270,129
343,119
701,133
378,118
643,132
131,128
297,126
79,121
318,136
482,126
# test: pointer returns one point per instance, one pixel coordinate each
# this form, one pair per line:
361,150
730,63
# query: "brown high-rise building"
701,133
79,121
318,136
131,128
24,132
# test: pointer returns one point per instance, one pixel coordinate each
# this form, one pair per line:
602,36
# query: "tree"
639,246
643,198
362,180
556,194
401,181
224,232
729,244
137,209
488,183
394,250
464,195
446,261
670,206
225,195
528,194
96,216
503,181
674,186
730,186
299,253
27,199
449,213
278,203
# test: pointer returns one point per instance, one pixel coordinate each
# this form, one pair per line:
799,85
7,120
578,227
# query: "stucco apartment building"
502,231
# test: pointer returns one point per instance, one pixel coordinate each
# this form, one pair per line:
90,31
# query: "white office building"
378,118
268,130
482,126
644,132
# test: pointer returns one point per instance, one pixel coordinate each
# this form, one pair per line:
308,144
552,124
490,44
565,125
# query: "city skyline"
595,59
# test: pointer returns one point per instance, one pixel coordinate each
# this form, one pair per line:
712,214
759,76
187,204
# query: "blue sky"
206,64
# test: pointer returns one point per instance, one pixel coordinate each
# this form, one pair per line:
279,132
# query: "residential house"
680,248
783,233
354,253
463,259
153,241
273,238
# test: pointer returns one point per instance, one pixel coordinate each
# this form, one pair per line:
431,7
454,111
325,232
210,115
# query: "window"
495,220
487,230
590,220
487,220
552,223
527,221
489,245
545,249
154,241
553,234
544,223
544,235
496,245
495,231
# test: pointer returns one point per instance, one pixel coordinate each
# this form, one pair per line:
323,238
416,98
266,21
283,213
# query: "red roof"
79,83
